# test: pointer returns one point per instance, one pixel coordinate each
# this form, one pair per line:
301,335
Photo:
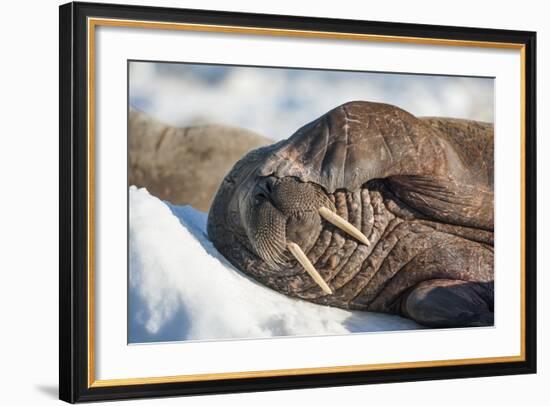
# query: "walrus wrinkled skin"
417,195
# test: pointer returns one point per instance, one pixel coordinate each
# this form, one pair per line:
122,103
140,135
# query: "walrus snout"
280,211
284,220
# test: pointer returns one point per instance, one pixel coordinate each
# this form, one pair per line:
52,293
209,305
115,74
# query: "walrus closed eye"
369,208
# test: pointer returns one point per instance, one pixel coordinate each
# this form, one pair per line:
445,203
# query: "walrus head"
273,204
275,219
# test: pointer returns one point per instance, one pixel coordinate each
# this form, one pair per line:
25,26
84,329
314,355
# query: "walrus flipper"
446,200
450,303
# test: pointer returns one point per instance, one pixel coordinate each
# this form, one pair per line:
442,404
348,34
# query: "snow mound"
181,287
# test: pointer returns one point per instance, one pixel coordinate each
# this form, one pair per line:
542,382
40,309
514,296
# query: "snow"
181,288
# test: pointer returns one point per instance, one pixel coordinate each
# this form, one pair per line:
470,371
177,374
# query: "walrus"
184,165
368,208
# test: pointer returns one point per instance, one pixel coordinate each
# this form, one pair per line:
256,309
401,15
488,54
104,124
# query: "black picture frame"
74,199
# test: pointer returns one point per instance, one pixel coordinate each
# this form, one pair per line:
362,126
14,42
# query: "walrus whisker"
343,225
297,252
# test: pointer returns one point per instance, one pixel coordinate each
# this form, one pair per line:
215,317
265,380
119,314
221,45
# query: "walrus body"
415,198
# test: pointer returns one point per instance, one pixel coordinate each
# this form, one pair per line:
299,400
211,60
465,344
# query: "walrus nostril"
269,183
259,198
266,186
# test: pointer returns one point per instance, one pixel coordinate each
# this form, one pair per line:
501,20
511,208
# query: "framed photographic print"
257,202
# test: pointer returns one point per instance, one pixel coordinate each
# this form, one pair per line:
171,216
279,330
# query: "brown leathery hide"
420,190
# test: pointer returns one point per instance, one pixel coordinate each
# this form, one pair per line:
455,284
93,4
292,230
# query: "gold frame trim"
94,22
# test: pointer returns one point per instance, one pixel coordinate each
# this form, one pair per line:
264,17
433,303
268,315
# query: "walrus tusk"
308,266
343,225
